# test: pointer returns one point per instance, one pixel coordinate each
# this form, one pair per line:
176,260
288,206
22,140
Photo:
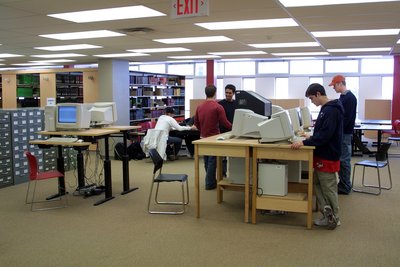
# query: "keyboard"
62,139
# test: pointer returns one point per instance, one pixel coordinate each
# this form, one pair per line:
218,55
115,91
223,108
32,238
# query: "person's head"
170,111
230,90
316,93
210,91
339,83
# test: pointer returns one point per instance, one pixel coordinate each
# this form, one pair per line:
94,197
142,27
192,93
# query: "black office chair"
159,177
381,161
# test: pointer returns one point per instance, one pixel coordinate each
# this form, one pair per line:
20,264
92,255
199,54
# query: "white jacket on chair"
156,139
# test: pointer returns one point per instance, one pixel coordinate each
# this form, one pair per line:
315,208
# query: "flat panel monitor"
72,116
278,128
103,113
306,118
295,119
253,101
245,123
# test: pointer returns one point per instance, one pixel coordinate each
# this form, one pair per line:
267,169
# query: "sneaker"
321,222
328,213
324,222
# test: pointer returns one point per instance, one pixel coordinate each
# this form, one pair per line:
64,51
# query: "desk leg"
310,189
379,138
107,175
125,167
220,194
254,188
196,180
247,186
81,168
61,180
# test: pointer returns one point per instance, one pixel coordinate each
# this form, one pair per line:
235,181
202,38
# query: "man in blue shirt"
349,102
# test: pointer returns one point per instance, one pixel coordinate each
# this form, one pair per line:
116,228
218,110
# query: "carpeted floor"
122,233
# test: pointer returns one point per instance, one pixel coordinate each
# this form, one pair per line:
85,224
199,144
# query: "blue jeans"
210,165
345,165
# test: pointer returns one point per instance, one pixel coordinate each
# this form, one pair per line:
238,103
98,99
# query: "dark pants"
189,137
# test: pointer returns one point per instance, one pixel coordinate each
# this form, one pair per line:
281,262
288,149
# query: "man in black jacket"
327,139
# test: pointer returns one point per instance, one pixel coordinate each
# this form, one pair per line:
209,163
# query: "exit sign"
189,8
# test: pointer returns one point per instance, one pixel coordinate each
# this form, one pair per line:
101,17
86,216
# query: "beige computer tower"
272,179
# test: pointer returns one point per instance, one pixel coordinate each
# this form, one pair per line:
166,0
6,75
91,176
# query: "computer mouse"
220,138
79,141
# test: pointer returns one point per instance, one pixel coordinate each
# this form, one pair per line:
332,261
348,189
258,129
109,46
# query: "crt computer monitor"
245,123
295,119
306,117
103,113
72,116
253,101
278,128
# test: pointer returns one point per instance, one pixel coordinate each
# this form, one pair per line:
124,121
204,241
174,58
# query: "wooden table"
296,200
224,148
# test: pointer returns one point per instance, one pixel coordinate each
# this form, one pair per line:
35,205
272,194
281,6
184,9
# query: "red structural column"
210,72
396,89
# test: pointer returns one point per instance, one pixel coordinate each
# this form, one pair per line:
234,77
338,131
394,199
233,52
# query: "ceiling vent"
137,30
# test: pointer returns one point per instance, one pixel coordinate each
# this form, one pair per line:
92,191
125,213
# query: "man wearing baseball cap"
349,102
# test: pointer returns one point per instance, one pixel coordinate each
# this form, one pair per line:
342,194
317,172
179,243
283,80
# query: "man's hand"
297,145
193,127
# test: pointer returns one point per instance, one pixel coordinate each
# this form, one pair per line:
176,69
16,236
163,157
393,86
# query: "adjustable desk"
125,158
373,127
60,160
92,135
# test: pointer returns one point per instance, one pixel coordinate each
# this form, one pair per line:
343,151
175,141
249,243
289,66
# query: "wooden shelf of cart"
300,196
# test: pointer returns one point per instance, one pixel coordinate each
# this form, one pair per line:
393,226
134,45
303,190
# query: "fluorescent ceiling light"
356,33
238,53
235,59
248,24
279,45
59,55
82,35
122,55
68,47
366,56
398,42
373,49
187,40
301,54
297,3
194,57
30,64
118,13
6,55
52,61
159,50
298,58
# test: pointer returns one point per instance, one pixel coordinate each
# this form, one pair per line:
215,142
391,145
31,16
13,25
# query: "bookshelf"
151,93
69,87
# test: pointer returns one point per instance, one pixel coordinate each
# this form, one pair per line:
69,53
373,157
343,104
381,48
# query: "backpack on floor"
135,151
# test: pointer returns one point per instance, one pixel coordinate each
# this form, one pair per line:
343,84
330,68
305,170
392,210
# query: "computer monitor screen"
306,118
278,128
245,123
295,118
103,113
74,116
253,101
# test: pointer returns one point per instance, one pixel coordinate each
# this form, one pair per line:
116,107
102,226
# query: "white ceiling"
21,21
